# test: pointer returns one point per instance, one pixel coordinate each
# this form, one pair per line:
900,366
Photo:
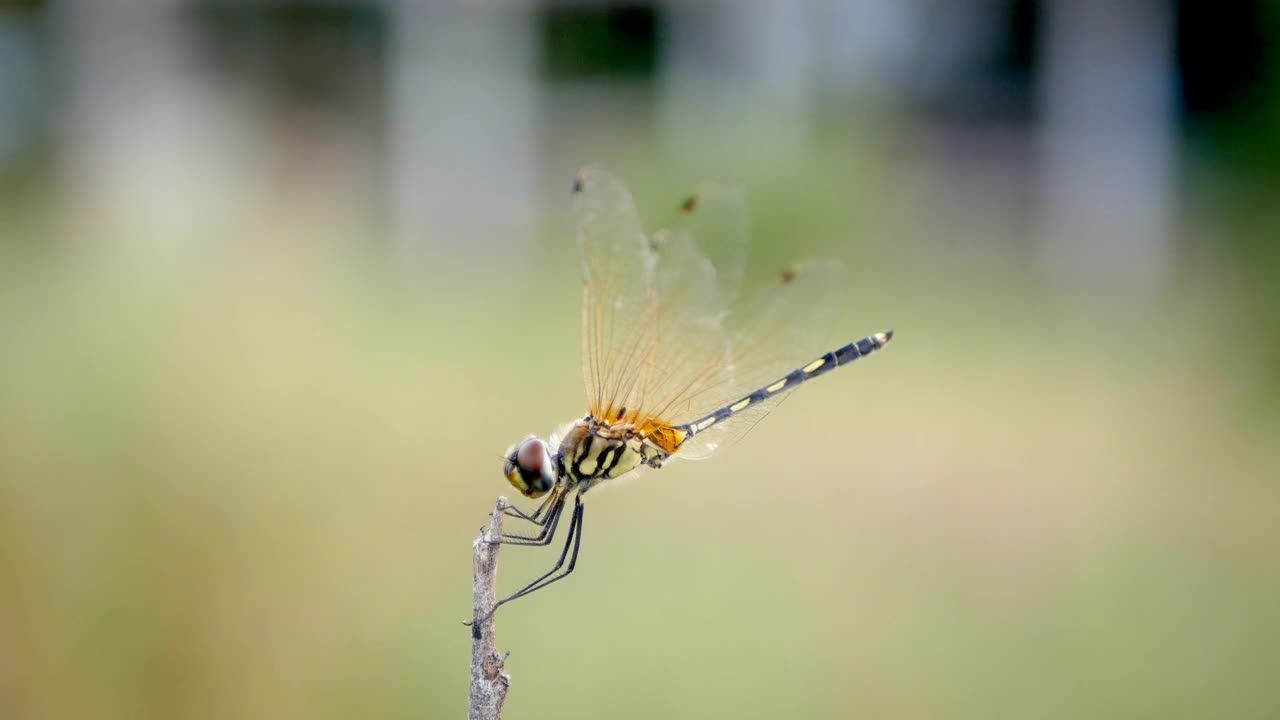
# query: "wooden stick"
488,681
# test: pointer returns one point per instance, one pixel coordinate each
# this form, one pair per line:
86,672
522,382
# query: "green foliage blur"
242,479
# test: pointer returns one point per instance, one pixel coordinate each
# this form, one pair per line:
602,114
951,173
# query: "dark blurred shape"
1023,35
25,97
1221,55
314,78
317,56
985,63
616,41
1014,59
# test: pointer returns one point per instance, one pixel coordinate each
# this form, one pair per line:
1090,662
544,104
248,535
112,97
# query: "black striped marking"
607,464
824,364
604,453
584,449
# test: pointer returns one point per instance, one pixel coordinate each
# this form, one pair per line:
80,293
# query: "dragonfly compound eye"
529,468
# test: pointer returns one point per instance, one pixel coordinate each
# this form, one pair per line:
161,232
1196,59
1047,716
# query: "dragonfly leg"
574,539
536,518
544,537
512,511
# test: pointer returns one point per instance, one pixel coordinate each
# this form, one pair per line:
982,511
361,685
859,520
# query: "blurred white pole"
863,45
144,142
736,72
463,98
1106,138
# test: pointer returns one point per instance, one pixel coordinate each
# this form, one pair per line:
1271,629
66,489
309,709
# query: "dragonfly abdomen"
824,364
865,346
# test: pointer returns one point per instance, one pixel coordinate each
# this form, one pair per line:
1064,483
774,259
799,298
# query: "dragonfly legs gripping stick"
574,539
548,525
512,511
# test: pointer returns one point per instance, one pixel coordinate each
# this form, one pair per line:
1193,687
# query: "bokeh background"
280,281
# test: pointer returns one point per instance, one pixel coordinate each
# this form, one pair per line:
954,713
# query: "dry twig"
488,682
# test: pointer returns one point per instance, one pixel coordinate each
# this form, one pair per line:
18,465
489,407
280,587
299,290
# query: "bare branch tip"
488,681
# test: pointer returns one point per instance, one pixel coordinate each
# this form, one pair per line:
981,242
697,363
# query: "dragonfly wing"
659,342
780,328
654,308
714,221
617,269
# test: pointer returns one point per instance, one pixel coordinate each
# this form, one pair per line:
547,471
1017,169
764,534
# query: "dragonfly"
677,360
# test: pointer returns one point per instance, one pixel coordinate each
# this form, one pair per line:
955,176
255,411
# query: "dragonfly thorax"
593,451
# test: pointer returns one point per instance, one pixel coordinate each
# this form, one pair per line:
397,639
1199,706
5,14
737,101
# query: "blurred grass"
246,486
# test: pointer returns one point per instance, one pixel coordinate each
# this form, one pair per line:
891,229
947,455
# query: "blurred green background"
279,282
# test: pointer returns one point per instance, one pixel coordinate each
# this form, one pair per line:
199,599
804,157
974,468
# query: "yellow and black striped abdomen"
824,364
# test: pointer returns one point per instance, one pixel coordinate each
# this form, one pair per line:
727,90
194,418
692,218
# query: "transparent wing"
617,269
666,338
654,308
780,328
714,221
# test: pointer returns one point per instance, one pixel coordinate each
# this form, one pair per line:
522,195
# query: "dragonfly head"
529,468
